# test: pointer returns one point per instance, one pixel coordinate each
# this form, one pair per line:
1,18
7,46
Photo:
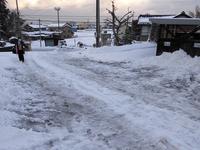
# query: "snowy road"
62,102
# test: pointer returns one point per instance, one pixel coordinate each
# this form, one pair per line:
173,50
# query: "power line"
60,16
46,20
83,19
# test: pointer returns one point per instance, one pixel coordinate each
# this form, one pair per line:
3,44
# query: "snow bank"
122,53
84,36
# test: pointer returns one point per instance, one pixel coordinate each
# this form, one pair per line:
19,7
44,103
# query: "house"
107,25
146,27
74,26
36,35
144,24
67,33
154,31
34,27
179,32
86,25
35,31
54,27
65,29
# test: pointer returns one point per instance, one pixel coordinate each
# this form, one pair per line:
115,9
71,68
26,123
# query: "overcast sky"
87,7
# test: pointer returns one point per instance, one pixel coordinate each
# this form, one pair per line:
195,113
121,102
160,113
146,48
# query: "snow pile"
87,37
123,53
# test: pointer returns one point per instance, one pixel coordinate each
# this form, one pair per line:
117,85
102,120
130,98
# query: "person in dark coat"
20,50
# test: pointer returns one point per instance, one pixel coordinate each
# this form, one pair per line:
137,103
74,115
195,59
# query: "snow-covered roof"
38,32
12,38
145,20
36,26
42,35
60,25
56,25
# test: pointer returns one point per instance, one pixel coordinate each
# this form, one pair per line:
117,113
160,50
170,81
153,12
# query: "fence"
191,47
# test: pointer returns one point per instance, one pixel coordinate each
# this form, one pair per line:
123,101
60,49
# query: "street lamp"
58,15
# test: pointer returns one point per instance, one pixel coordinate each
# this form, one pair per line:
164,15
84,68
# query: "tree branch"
124,16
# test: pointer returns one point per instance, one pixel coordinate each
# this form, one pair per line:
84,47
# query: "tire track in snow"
47,103
113,99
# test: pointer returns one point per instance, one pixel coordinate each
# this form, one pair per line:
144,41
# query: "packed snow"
109,98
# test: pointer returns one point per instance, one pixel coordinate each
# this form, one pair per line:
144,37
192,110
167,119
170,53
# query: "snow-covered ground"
110,98
87,37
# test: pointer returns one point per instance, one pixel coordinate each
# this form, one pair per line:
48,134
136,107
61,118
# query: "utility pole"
113,22
18,22
98,23
113,16
58,15
40,34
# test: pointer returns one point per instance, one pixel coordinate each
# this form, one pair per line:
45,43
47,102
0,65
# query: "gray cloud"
87,7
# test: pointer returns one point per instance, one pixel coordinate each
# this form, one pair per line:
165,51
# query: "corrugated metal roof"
176,21
146,19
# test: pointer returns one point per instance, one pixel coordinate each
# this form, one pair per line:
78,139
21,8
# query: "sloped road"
102,105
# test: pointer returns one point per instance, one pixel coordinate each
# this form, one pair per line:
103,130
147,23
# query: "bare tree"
196,13
118,22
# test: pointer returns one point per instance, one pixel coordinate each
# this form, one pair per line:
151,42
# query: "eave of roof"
146,20
176,21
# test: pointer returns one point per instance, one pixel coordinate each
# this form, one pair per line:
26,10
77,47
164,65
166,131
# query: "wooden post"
40,34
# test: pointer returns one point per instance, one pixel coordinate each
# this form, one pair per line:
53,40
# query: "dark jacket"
20,47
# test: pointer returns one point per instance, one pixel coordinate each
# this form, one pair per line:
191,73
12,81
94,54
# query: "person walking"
20,50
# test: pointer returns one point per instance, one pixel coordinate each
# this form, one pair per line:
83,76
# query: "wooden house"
65,29
54,27
144,25
179,32
34,27
153,34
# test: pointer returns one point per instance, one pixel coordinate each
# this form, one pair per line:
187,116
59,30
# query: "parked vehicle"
6,47
2,43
